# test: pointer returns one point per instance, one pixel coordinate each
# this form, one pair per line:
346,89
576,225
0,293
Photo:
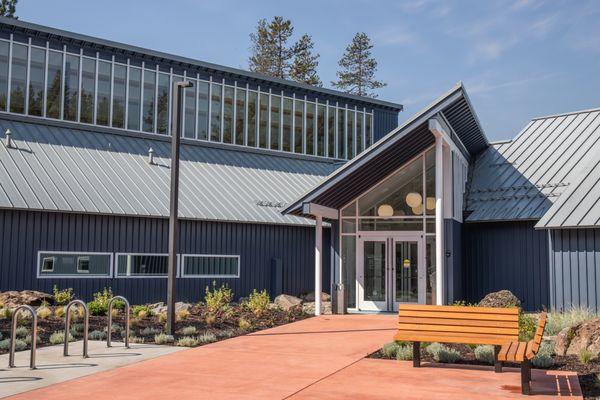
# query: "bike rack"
13,336
86,326
109,328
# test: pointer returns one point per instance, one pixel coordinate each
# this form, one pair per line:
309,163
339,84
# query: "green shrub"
433,349
62,297
115,328
244,324
5,313
463,303
226,333
542,361
162,338
150,331
97,335
187,341
484,354
182,315
43,312
404,353
20,345
389,350
137,339
78,327
141,311
585,356
258,302
207,337
557,321
188,331
21,332
527,327
28,340
58,337
99,306
441,353
218,300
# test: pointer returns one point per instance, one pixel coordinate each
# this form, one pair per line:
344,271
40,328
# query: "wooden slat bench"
523,353
457,324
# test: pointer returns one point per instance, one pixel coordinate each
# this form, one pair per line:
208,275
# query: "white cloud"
484,85
395,36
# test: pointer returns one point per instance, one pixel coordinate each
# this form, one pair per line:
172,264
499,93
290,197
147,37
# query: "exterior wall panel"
575,268
507,255
453,275
384,122
24,233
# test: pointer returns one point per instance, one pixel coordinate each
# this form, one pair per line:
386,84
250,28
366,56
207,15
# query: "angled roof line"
427,112
202,64
567,113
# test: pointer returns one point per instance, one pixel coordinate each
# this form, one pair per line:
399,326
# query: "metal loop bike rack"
86,326
13,336
109,327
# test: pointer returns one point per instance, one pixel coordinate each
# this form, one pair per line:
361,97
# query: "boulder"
159,308
34,298
503,298
309,307
310,296
585,335
286,301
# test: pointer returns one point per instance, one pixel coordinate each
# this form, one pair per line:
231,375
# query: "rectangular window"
64,264
37,66
148,101
203,110
211,266
135,99
71,87
263,118
54,84
369,130
240,112
18,81
350,133
341,124
287,124
298,125
275,116
120,91
331,132
4,47
252,104
189,128
162,104
321,130
104,78
215,112
310,128
88,89
359,132
228,115
144,265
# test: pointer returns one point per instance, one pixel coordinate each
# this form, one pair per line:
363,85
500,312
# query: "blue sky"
518,59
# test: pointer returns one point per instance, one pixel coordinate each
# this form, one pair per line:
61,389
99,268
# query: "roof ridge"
589,110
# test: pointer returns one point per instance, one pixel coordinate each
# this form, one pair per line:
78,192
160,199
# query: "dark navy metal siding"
453,276
23,233
575,268
506,255
384,122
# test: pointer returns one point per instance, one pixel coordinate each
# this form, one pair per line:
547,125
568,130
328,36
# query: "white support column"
439,219
318,263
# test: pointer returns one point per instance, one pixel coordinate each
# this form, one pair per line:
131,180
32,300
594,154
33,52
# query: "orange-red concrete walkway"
316,358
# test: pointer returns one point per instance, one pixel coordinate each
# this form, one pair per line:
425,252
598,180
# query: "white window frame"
184,256
77,254
116,269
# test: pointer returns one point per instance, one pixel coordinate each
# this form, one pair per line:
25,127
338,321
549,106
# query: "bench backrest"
536,342
457,324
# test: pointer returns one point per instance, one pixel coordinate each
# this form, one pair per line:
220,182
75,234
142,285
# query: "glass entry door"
390,271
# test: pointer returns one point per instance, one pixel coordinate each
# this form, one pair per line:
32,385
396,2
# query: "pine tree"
358,67
271,54
8,8
304,66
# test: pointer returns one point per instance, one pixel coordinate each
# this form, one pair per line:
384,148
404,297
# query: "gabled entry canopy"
453,109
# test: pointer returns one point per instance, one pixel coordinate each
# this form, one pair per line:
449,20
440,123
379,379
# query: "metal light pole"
177,113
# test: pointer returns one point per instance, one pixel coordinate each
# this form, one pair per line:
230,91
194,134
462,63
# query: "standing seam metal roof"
58,168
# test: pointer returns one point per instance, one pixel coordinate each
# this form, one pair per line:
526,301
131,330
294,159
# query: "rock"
159,308
286,301
310,296
585,335
503,298
14,298
309,307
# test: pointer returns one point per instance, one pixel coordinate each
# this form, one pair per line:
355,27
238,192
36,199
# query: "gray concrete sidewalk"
53,368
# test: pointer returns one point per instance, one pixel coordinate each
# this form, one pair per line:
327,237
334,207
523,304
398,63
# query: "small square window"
83,265
48,264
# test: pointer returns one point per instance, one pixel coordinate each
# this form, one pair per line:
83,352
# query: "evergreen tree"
271,54
304,66
8,8
358,67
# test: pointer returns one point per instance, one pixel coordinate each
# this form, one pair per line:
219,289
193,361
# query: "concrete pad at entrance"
53,368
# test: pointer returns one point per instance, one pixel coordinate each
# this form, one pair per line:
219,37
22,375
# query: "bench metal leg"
416,354
497,364
526,377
